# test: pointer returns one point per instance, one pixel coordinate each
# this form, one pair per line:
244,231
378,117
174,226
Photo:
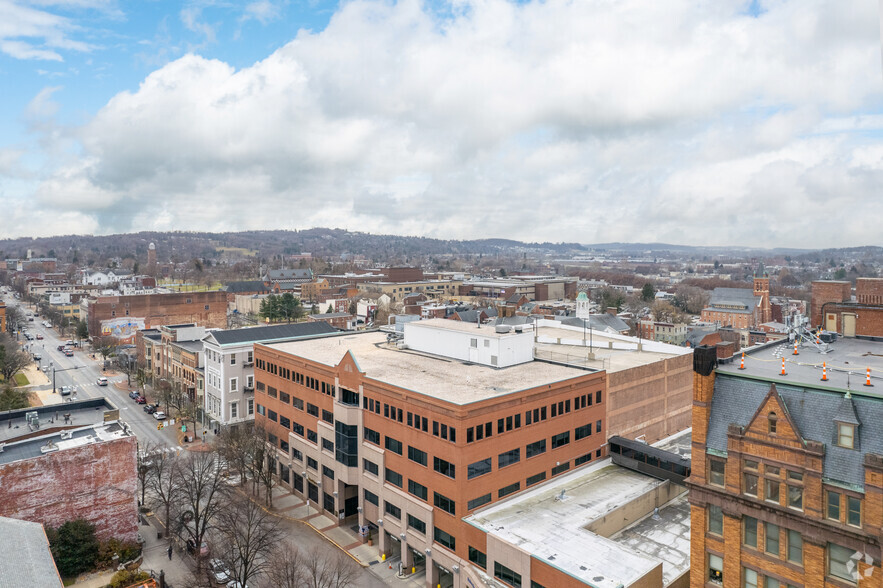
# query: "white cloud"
27,32
585,121
262,11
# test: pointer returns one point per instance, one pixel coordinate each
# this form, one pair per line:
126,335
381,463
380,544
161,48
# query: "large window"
715,520
750,531
477,557
417,489
795,547
508,458
535,479
371,497
394,445
795,497
716,472
840,562
392,510
394,477
834,505
443,538
370,467
560,439
536,448
582,432
503,573
749,578
479,468
417,524
443,467
853,511
416,455
372,436
444,503
771,491
346,439
715,569
771,538
509,489
480,501
750,484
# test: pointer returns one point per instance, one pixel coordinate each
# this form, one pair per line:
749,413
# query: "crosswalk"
177,449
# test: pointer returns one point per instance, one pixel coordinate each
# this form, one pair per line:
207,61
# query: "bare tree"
12,358
236,445
287,569
263,463
202,489
246,536
326,568
163,482
105,345
146,452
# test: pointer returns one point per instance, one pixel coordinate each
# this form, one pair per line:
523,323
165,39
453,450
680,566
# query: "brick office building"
123,316
741,308
834,309
411,438
787,470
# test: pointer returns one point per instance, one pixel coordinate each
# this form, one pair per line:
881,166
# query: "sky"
718,122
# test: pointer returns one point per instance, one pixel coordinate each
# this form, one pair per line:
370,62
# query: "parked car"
159,415
191,544
140,400
39,337
68,352
69,343
61,347
235,584
133,394
220,571
149,408
66,390
102,381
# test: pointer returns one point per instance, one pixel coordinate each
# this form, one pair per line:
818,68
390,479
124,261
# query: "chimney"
611,310
704,362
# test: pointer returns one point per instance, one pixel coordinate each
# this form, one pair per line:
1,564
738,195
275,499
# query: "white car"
66,390
102,381
220,572
159,415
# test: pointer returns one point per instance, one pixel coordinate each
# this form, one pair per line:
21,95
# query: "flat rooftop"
52,442
89,411
847,361
613,353
554,530
448,379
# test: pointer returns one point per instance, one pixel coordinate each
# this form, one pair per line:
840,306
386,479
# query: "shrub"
75,547
125,578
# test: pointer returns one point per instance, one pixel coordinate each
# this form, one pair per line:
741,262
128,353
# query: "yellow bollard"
413,569
382,557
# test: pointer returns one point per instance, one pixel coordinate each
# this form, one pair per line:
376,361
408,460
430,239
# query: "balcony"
248,389
248,364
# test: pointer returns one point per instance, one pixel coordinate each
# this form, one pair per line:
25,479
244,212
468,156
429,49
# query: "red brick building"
834,309
123,316
70,468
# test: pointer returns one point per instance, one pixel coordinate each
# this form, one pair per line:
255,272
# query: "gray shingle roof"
846,412
26,560
271,333
736,400
733,296
291,274
247,286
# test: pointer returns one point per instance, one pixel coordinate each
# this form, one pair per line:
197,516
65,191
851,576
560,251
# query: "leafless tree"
201,493
163,483
12,358
263,462
246,536
236,445
105,345
327,568
287,569
146,450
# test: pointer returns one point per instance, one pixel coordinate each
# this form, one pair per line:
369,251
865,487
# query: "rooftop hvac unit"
502,329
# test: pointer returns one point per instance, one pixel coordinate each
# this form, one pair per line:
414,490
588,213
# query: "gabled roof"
247,286
26,559
743,297
291,274
270,333
846,412
696,335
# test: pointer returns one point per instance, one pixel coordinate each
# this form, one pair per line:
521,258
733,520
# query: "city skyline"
748,123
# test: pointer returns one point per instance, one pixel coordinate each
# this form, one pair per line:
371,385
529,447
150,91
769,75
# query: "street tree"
201,493
82,330
146,450
236,446
163,482
12,358
245,537
105,345
288,569
13,398
327,568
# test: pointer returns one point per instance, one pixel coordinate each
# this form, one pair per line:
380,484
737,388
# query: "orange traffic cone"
824,372
783,367
795,348
868,381
818,341
742,366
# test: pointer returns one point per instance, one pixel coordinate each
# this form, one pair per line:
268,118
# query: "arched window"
772,421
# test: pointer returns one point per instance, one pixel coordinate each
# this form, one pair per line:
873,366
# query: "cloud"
47,33
262,11
584,121
191,16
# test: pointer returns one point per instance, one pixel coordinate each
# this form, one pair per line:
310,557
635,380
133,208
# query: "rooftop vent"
502,329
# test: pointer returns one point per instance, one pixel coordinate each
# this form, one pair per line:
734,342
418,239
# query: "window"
327,416
443,467
284,421
715,569
480,501
503,573
771,471
443,538
507,490
312,409
750,577
417,455
716,469
478,558
479,468
535,448
771,490
715,520
750,484
795,497
372,436
234,410
297,403
297,454
444,503
561,439
371,497
418,490
853,511
416,524
393,477
839,560
795,547
249,383
394,445
770,582
250,406
327,445
232,359
508,458
750,464
312,463
535,479
846,435
582,459
328,472
234,384
370,467
749,534
771,537
597,426
560,468
392,510
796,476
834,505
582,432
772,423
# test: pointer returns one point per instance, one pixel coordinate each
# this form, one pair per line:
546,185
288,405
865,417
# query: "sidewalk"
156,556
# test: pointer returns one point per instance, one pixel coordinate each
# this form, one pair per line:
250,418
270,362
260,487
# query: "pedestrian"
170,552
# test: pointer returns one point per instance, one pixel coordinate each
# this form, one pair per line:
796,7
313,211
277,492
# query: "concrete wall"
509,349
96,482
620,518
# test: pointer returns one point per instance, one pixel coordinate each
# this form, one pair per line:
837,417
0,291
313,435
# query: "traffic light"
159,426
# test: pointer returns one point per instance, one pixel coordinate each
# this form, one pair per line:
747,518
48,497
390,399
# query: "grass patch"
21,380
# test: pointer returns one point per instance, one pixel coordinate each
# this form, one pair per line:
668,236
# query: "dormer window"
772,421
846,435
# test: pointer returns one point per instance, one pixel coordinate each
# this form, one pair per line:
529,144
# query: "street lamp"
64,370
